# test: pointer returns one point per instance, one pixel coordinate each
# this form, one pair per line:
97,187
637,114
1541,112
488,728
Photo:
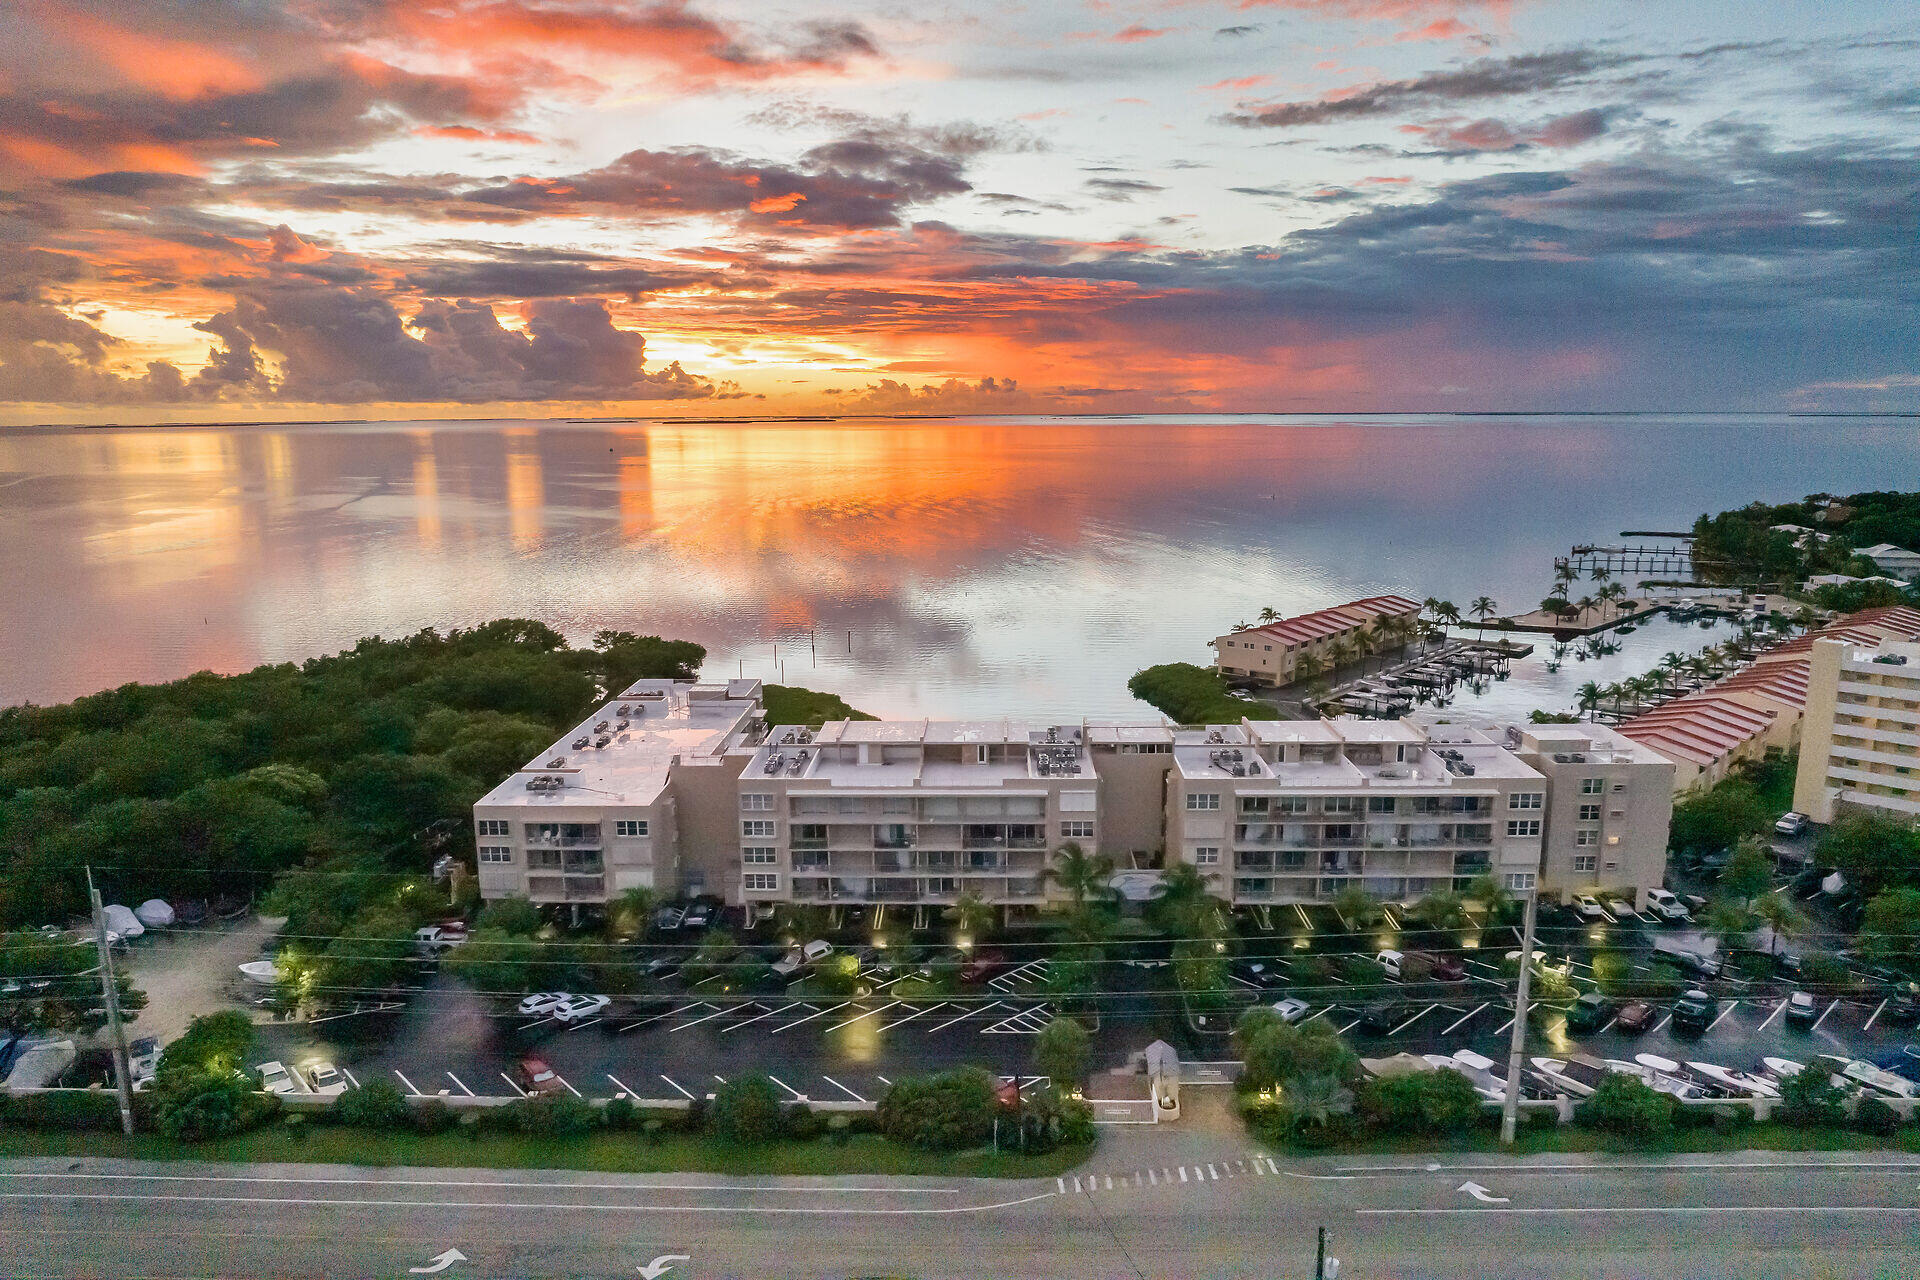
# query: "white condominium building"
1861,741
682,788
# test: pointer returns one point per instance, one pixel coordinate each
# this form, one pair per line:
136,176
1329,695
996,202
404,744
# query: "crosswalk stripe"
1183,1173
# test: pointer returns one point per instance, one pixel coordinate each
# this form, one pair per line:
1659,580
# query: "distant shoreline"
775,419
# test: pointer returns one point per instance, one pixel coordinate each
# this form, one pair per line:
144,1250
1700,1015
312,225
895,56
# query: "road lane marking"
462,1083
738,1210
1183,1173
1474,1012
842,1088
1213,1173
1109,1182
810,1017
1678,1208
862,1017
797,1095
676,1085
635,1026
622,1085
1153,1178
410,1089
1876,1014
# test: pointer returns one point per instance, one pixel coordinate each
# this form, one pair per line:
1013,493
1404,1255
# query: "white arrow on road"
440,1263
1480,1193
662,1264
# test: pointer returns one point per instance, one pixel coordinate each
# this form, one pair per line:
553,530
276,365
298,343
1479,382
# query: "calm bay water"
943,568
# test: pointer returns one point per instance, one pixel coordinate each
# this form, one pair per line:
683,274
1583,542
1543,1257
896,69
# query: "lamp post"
1510,1106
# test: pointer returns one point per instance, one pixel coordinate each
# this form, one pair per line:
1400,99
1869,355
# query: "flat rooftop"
621,753
1038,753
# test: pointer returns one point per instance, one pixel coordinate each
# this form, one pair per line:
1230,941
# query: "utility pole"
111,995
1510,1106
1320,1257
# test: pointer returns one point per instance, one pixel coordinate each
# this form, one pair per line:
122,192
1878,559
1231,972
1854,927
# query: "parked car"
1904,1009
541,1003
982,966
1666,906
326,1079
1256,973
579,1008
817,950
789,964
665,966
1620,909
1378,1019
1291,1009
1693,1011
668,918
1635,1016
275,1078
1791,823
698,916
537,1077
1449,969
1589,1013
1391,961
433,941
1589,907
1802,1011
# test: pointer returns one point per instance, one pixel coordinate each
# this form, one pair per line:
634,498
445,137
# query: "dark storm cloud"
959,139
1478,80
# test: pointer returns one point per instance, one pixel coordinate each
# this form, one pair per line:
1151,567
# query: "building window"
760,882
1523,827
757,801
1525,800
1076,831
1199,800
1584,863
1619,787
1292,804
629,827
1381,804
1586,837
1341,804
493,826
495,853
1520,881
1589,813
1592,786
757,855
1206,855
757,827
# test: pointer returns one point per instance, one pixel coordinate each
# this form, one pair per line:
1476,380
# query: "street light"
1510,1106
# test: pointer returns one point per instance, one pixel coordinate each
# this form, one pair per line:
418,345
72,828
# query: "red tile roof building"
1270,653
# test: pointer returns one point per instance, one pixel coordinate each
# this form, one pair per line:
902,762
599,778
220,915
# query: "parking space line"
1213,1173
1777,1010
718,1012
622,1085
1731,1006
1814,1027
797,1004
883,1080
351,1078
1350,1026
1875,1015
1415,1018
1183,1173
410,1089
676,1086
797,1095
462,1083
1153,1178
1323,1013
1658,1027
963,1017
510,1084
1502,1028
717,1076
1062,1184
634,1026
863,1016
916,1013
810,1017
576,1026
842,1088
563,1080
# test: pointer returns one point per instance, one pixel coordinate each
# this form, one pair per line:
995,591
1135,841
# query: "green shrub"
945,1111
1811,1099
839,1128
86,1111
378,1104
1754,966
1426,1102
619,1113
193,1107
802,1123
1629,1106
295,1126
434,1116
1875,1116
1825,971
551,1116
213,1042
1362,972
746,1109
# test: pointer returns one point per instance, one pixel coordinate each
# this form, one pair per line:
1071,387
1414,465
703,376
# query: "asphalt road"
1131,1212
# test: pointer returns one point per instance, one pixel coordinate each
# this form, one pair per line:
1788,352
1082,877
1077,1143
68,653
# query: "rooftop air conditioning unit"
558,762
602,741
626,711
580,743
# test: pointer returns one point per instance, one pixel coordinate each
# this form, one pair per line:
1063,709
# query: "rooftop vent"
1213,735
602,741
580,743
623,724
1892,659
558,762
806,735
626,711
774,761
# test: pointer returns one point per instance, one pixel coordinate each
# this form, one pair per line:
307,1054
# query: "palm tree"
1243,626
1599,573
1269,614
1777,912
971,914
1588,696
628,914
1356,906
1184,906
1441,910
1487,890
1585,605
1315,1099
1482,608
1083,875
1450,612
1308,668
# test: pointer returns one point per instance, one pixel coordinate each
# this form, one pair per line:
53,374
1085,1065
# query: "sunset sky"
236,209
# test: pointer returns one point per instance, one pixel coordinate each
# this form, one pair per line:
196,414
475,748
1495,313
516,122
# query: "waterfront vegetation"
1187,694
1743,545
789,704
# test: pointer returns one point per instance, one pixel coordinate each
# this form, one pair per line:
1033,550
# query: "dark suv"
1693,1011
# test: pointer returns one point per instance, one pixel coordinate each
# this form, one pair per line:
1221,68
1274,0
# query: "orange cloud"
467,133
